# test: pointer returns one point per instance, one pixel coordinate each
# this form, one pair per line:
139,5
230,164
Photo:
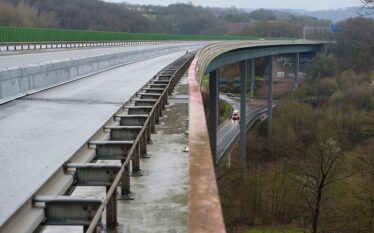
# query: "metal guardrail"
66,206
20,46
20,81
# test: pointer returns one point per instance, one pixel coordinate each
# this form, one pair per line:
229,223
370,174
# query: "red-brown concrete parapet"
204,208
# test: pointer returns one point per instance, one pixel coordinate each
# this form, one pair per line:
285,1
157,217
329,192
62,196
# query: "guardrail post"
111,212
159,110
136,171
153,123
148,134
143,146
243,128
163,102
213,111
297,70
126,193
270,97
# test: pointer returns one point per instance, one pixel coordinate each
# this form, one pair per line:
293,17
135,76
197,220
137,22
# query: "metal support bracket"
132,120
66,210
93,174
123,133
151,96
154,90
136,110
111,150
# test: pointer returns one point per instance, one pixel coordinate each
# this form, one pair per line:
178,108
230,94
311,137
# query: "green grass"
261,78
225,110
274,230
205,82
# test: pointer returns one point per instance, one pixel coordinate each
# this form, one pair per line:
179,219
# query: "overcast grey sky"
289,4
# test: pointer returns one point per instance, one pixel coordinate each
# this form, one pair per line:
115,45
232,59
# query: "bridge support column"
297,70
270,97
213,111
253,80
243,128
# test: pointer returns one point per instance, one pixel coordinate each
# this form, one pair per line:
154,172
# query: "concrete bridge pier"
270,96
297,70
243,131
253,78
213,111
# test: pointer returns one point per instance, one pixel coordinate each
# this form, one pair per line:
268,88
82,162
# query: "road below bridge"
228,134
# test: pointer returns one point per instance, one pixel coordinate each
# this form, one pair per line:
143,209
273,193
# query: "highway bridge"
94,138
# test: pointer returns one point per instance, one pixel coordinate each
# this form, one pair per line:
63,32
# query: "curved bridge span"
98,127
205,214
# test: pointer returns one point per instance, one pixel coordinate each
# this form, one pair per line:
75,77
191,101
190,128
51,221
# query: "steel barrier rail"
16,46
178,67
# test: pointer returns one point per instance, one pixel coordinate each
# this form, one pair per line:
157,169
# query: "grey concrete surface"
39,133
22,81
160,204
18,60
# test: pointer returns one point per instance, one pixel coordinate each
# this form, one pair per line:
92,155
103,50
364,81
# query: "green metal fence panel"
18,34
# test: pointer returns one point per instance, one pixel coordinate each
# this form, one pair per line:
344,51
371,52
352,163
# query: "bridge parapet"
204,208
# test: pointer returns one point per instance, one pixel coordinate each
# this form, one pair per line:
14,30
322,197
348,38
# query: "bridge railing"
19,46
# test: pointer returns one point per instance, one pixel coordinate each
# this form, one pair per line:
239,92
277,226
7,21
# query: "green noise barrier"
18,35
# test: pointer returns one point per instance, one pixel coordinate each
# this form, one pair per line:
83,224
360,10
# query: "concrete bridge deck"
40,133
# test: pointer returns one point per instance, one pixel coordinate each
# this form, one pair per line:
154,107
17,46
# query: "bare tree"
367,7
321,167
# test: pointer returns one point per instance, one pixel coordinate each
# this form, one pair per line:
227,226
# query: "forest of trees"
316,173
175,18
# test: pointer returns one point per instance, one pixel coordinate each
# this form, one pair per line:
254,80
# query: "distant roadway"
228,134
